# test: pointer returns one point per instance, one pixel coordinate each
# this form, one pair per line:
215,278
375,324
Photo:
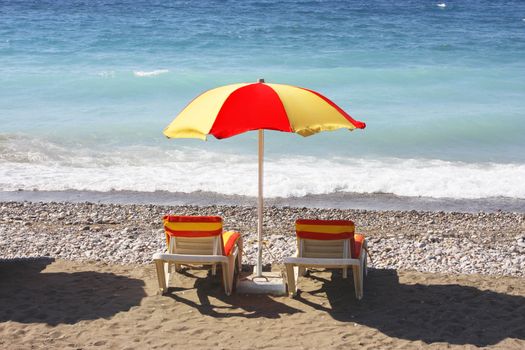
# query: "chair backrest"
196,235
325,238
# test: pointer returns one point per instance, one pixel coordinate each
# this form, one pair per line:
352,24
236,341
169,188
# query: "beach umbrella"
234,109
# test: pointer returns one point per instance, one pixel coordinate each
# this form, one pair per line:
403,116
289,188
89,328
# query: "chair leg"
361,281
302,271
239,253
357,281
213,269
231,272
162,275
291,272
225,278
345,272
365,259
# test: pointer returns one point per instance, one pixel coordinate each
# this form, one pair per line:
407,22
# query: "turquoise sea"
86,88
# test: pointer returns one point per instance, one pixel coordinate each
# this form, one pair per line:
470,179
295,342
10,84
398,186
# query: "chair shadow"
239,305
451,313
29,296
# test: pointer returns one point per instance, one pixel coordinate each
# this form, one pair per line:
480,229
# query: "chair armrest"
320,262
191,259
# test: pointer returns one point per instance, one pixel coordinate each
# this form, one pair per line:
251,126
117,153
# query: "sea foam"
153,168
150,73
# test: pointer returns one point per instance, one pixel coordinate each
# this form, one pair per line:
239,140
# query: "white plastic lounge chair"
198,240
327,244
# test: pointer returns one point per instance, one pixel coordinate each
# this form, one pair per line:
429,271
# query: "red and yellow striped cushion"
229,238
324,229
191,226
357,244
330,230
199,226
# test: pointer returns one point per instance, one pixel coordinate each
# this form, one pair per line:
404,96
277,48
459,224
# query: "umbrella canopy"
233,109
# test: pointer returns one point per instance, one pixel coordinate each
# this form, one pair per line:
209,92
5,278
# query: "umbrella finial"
261,81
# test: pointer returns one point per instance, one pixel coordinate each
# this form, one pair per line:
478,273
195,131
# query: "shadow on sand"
241,305
28,295
450,313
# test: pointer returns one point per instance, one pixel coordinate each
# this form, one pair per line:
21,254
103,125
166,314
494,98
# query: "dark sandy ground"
59,304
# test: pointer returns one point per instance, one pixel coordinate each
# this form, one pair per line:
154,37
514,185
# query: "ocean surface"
86,88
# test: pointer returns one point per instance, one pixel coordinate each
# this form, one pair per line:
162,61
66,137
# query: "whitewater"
36,165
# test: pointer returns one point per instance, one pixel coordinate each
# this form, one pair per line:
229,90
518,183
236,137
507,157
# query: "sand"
60,304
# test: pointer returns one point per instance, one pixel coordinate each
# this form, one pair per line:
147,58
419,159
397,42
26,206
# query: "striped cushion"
324,229
327,230
357,244
191,226
229,238
199,226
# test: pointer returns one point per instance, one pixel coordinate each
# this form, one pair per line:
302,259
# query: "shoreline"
339,200
467,243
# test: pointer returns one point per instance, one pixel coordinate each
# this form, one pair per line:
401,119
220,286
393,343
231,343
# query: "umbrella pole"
260,204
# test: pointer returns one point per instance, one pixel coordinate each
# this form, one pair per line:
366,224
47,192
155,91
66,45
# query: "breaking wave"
42,165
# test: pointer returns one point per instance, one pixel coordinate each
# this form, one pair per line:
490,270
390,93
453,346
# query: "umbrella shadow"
451,313
212,301
29,296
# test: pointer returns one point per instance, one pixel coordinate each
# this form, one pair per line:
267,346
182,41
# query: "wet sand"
338,200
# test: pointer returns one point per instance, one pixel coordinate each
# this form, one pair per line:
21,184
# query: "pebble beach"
442,242
79,276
